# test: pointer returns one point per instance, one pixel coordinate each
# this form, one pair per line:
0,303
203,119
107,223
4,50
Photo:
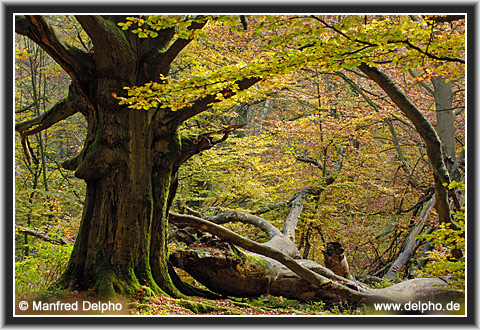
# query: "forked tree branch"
235,216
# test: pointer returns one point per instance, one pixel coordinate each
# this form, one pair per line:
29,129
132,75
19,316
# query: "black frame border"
232,8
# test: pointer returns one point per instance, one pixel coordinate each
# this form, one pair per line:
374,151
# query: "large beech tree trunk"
121,242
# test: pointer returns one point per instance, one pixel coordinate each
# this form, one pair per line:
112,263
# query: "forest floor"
265,305
159,305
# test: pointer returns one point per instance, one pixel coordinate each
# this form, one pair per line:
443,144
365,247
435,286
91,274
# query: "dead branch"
277,239
42,236
291,221
235,216
411,242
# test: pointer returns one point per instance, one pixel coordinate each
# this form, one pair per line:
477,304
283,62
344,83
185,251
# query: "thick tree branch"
234,216
60,111
291,221
187,220
426,131
108,42
277,239
268,208
42,236
206,102
74,61
179,44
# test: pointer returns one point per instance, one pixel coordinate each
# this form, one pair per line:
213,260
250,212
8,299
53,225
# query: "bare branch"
42,236
411,242
291,221
188,220
308,275
234,216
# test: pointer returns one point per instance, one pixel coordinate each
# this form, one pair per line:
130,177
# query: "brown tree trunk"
226,270
121,242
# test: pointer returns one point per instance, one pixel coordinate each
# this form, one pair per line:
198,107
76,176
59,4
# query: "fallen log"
226,270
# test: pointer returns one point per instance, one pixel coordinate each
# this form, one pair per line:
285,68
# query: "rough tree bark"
129,159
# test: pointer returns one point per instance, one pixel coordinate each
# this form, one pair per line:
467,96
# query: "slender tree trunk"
445,116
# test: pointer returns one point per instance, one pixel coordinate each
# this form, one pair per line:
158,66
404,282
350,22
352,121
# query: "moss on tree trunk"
121,244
